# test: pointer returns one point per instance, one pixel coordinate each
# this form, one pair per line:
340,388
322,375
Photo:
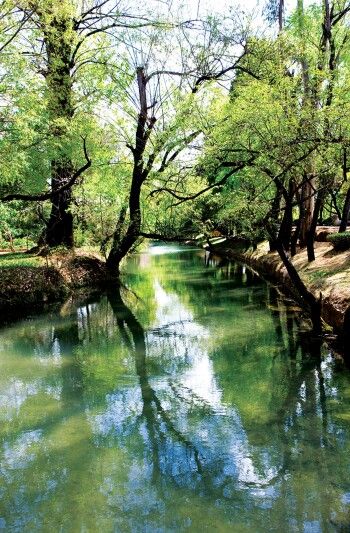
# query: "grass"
19,259
318,274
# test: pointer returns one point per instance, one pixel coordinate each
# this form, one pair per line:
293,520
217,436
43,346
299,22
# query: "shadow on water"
153,412
203,405
303,356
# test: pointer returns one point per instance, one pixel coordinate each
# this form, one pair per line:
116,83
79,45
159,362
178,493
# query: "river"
190,400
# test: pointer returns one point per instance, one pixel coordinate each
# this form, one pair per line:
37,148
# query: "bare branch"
338,16
14,35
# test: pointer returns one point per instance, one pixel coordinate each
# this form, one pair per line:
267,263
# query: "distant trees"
183,125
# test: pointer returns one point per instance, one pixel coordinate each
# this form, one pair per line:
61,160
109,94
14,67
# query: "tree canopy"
120,122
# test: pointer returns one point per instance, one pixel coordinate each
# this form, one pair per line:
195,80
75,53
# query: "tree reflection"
305,396
201,400
152,410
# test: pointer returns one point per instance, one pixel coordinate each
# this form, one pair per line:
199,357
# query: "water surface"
187,401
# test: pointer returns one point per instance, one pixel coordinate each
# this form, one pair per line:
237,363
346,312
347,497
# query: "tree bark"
57,36
294,238
275,211
310,239
59,230
346,208
313,304
280,15
345,213
296,234
285,233
121,245
308,201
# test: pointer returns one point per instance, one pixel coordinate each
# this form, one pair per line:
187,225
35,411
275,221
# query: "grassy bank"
32,280
328,275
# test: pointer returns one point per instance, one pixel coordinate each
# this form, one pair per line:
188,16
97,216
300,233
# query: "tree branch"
185,142
50,194
219,183
218,75
14,35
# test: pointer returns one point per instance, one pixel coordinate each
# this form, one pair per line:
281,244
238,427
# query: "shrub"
340,241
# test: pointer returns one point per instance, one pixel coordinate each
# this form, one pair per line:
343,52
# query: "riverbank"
328,275
32,281
175,402
28,280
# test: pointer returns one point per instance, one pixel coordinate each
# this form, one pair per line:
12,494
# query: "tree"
262,121
60,47
274,11
168,106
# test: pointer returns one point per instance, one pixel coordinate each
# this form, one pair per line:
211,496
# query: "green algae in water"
189,402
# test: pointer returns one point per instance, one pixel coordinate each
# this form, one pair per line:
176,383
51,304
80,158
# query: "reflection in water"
159,424
193,401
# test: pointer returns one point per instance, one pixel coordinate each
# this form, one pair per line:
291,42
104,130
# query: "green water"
188,401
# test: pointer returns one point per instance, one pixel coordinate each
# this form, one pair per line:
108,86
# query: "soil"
32,281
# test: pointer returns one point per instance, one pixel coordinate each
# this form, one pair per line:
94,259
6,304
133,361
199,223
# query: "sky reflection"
191,402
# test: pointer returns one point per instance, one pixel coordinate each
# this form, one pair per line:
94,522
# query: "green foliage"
19,225
340,241
277,119
19,260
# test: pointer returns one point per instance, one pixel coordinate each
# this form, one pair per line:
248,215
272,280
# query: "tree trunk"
312,303
285,233
346,208
336,207
274,215
280,15
119,250
345,213
121,245
296,234
59,229
310,240
308,201
295,238
57,31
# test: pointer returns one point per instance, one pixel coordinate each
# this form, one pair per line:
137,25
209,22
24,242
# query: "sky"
202,7
223,6
250,9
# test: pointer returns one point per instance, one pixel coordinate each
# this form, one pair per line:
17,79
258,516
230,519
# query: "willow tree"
272,120
261,121
323,35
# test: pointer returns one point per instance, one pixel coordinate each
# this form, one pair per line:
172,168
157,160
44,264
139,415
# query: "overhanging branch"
220,183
